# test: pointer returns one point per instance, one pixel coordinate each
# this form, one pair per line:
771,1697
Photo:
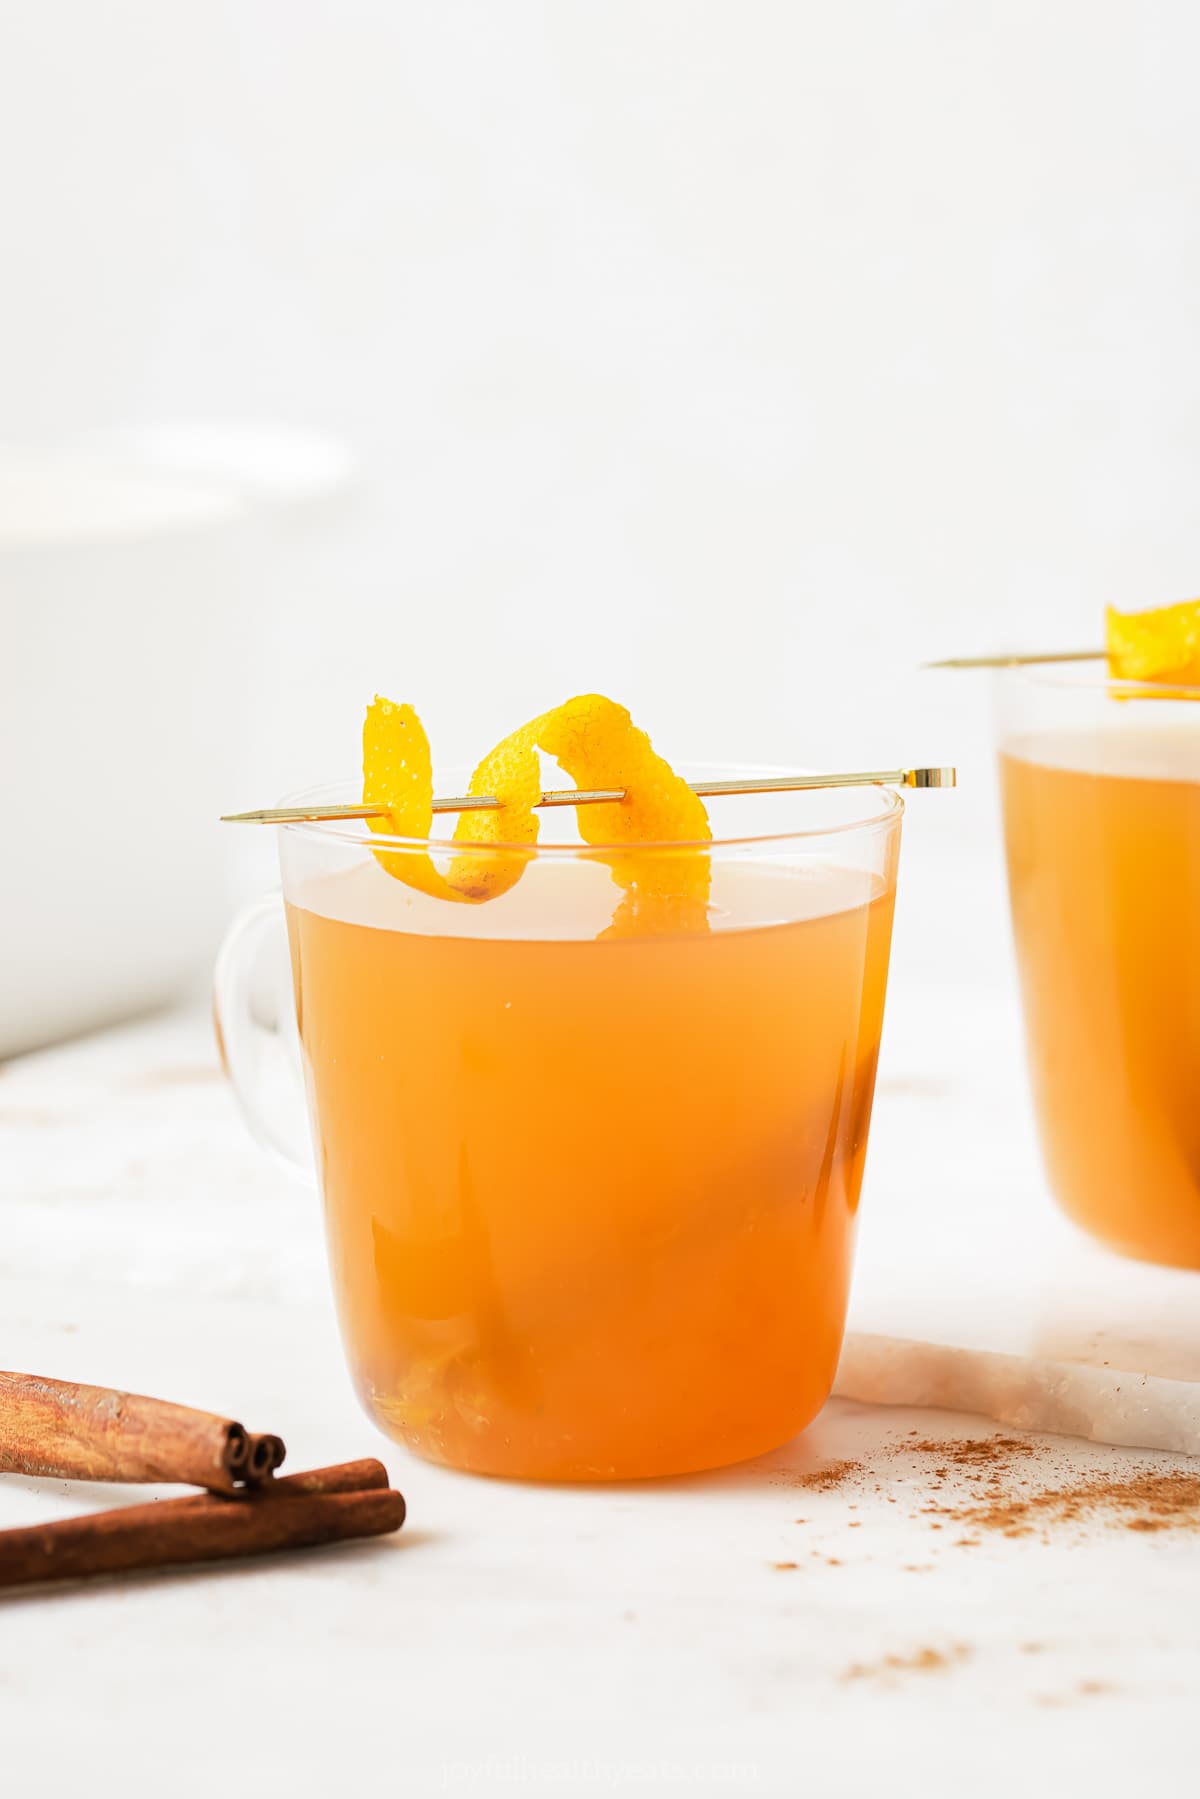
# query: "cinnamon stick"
206,1528
344,1477
72,1432
365,1476
263,1456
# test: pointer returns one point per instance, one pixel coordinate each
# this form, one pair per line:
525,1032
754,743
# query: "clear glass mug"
1100,782
589,1201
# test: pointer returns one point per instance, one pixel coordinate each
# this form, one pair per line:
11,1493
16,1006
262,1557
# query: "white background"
728,357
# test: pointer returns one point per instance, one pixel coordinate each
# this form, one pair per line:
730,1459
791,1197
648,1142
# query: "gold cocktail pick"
573,796
1019,660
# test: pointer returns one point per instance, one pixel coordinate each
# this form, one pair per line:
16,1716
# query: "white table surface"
631,1638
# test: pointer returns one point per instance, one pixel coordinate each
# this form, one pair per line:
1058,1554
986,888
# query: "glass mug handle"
255,1018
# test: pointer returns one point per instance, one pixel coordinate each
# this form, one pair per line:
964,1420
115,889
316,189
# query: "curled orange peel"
1161,646
598,745
398,775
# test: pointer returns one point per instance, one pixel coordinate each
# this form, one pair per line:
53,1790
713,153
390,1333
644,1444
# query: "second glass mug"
589,1202
1100,782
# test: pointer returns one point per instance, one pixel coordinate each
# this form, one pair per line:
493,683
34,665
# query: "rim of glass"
1050,675
888,808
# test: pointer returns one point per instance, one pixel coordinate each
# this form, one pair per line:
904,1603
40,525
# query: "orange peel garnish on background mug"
1160,646
597,743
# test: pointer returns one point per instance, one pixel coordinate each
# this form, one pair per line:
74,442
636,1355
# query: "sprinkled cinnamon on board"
1138,1501
918,1661
1008,1486
1084,1689
967,1452
822,1480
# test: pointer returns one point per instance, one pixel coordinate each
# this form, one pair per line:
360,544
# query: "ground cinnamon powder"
1001,1484
1137,1501
920,1661
972,1452
822,1480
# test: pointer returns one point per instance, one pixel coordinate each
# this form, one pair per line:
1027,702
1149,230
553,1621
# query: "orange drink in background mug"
1101,792
590,1200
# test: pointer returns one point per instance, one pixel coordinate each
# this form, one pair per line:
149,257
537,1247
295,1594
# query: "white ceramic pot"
131,575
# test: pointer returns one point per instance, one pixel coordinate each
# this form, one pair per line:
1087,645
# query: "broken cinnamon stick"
263,1456
206,1528
72,1432
344,1477
364,1476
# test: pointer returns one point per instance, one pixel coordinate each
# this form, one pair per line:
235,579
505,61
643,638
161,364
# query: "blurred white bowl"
132,574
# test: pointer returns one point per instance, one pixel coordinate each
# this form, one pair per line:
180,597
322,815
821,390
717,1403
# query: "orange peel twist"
398,775
597,743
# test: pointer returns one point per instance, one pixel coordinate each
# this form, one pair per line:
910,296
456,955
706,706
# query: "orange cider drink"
1101,797
590,1195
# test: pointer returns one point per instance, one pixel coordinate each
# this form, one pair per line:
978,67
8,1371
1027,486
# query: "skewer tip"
1018,659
